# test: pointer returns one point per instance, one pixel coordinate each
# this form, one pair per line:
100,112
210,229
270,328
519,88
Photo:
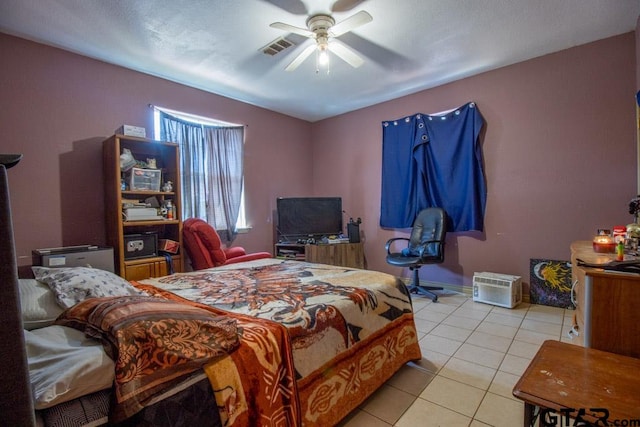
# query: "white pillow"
75,284
38,303
65,364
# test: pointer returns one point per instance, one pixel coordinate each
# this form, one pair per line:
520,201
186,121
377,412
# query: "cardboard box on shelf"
132,131
168,245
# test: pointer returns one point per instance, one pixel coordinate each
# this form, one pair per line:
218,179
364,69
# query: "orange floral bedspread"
154,343
255,384
347,332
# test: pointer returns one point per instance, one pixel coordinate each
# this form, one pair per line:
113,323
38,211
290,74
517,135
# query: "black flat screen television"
308,216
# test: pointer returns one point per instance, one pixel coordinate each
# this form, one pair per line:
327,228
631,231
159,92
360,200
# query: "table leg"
529,418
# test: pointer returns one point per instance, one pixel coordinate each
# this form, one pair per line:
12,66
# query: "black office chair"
425,246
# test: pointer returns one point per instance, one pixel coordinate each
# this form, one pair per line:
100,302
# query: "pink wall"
638,55
559,151
58,107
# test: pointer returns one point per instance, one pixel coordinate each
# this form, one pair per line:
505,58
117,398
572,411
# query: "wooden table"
566,380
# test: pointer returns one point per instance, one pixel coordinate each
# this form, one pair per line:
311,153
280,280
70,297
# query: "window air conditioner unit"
503,290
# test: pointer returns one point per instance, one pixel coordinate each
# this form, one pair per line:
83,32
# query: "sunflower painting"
550,283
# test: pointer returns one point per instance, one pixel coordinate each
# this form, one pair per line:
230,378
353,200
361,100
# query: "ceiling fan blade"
345,5
292,29
351,23
294,7
346,54
300,58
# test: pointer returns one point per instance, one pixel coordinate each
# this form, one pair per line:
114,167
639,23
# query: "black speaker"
353,230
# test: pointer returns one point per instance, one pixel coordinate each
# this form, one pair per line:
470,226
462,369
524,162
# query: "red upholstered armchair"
203,245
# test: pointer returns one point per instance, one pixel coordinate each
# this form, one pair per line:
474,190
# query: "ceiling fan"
322,28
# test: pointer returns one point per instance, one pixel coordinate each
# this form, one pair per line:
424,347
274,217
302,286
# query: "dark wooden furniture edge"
623,394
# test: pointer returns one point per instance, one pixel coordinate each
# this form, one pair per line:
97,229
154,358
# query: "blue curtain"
399,199
434,161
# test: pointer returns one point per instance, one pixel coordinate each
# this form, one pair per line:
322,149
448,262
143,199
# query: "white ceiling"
411,45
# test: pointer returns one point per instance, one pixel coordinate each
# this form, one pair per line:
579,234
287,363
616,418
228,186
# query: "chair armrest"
426,243
248,257
234,252
387,246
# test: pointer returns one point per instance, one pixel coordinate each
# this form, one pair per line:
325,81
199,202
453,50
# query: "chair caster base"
424,291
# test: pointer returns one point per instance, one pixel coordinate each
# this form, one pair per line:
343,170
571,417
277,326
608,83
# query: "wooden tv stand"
341,254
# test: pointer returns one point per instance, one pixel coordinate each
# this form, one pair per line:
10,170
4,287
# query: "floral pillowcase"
75,284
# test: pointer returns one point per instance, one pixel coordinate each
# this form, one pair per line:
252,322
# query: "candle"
604,244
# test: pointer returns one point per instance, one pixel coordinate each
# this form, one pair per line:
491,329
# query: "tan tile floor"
472,356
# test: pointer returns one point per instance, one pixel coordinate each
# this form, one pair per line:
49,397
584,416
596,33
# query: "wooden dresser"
607,303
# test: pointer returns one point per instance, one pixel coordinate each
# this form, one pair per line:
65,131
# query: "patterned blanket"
255,384
153,342
349,330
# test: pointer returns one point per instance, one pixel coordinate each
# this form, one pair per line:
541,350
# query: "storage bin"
145,179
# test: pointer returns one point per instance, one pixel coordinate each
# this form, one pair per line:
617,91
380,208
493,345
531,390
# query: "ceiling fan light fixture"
322,58
321,28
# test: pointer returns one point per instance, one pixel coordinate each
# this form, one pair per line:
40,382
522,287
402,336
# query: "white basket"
502,290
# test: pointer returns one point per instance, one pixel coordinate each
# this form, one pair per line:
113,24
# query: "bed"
265,342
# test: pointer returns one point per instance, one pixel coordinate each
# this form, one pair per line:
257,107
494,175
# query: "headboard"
16,401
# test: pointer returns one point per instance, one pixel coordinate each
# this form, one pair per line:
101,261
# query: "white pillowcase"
64,364
75,284
38,303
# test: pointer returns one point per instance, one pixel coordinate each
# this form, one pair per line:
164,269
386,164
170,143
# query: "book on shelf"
337,240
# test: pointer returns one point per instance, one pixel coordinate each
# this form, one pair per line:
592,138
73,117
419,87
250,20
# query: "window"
212,167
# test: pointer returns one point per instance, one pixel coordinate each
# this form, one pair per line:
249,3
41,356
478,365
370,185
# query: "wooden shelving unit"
167,158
